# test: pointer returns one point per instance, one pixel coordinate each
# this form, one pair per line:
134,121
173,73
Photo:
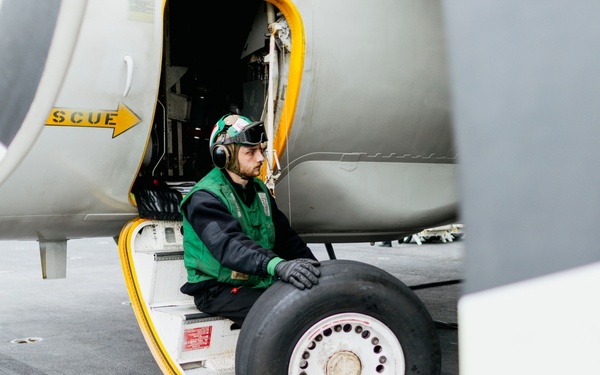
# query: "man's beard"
247,175
234,167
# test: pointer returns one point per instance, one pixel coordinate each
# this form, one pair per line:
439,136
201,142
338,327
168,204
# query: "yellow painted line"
119,120
162,358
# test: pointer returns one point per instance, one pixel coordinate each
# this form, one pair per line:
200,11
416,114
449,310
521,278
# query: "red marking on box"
197,338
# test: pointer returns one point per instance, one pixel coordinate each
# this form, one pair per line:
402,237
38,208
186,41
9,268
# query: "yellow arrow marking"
120,120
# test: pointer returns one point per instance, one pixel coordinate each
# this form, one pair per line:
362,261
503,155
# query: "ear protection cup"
220,156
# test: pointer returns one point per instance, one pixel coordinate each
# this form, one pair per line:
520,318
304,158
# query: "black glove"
300,273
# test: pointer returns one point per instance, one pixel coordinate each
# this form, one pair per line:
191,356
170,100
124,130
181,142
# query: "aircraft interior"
213,64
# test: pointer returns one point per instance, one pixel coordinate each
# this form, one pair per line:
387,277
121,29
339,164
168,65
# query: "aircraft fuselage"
361,118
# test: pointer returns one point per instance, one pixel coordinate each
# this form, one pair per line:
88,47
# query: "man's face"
251,159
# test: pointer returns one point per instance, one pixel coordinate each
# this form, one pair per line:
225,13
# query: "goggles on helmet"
253,134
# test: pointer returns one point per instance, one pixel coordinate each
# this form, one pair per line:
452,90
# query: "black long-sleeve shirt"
223,236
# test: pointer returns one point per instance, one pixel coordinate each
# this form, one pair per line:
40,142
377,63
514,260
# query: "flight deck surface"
85,324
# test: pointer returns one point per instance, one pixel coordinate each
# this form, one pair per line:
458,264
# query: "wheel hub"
343,363
347,344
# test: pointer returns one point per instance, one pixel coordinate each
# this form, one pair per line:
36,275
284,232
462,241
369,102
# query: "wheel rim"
348,344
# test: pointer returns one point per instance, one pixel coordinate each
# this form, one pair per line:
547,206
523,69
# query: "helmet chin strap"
234,164
237,172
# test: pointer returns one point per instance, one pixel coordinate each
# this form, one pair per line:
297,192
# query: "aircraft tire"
358,319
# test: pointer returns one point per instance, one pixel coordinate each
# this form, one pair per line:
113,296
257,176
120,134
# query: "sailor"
236,241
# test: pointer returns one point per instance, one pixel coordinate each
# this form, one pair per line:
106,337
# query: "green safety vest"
256,222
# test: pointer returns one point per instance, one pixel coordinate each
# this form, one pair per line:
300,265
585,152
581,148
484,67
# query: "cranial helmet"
229,133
